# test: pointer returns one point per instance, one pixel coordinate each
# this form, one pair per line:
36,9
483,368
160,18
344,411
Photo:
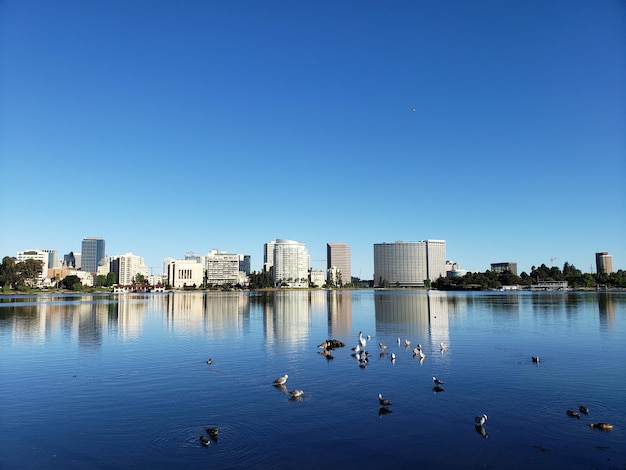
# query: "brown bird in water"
603,426
583,409
573,413
212,432
383,401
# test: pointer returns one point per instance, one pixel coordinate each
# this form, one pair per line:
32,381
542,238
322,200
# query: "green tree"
71,282
30,270
100,280
111,279
9,275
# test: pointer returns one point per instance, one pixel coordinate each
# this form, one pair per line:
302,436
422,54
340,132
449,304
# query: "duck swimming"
296,393
204,441
535,359
480,420
383,401
212,432
437,381
603,426
573,413
583,409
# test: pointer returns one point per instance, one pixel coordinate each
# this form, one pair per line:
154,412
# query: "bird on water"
383,401
603,426
281,380
480,420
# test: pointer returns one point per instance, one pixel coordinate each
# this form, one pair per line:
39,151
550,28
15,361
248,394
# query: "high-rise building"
338,256
436,259
268,256
222,268
244,264
604,263
126,267
53,258
291,264
93,253
409,264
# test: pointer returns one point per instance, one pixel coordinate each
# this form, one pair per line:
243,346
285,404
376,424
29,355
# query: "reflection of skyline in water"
423,315
285,316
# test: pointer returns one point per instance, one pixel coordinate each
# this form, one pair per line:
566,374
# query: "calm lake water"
122,381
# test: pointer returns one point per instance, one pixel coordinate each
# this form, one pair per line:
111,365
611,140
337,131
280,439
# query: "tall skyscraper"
604,263
338,256
268,256
291,264
93,254
409,264
436,259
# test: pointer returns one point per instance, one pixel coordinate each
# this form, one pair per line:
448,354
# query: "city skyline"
480,123
342,252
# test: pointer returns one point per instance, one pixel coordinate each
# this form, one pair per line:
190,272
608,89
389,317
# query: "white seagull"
362,340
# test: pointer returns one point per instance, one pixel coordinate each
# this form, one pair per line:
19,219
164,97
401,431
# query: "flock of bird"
362,356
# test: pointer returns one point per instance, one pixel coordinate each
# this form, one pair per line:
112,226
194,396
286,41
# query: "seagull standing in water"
281,380
362,341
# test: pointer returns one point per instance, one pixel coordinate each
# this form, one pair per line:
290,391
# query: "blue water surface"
122,381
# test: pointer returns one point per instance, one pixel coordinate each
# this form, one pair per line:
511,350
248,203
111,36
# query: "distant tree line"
495,280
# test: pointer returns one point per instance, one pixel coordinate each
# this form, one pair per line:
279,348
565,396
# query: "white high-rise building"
436,256
222,268
291,264
126,267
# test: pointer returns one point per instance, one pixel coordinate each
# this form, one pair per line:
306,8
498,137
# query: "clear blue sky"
174,126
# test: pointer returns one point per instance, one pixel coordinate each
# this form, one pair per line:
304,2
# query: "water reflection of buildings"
216,314
421,315
606,307
339,313
287,317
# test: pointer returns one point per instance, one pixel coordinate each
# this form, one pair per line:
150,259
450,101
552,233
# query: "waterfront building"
604,263
409,264
503,267
338,257
435,259
290,264
38,255
317,277
182,273
222,268
93,254
126,267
